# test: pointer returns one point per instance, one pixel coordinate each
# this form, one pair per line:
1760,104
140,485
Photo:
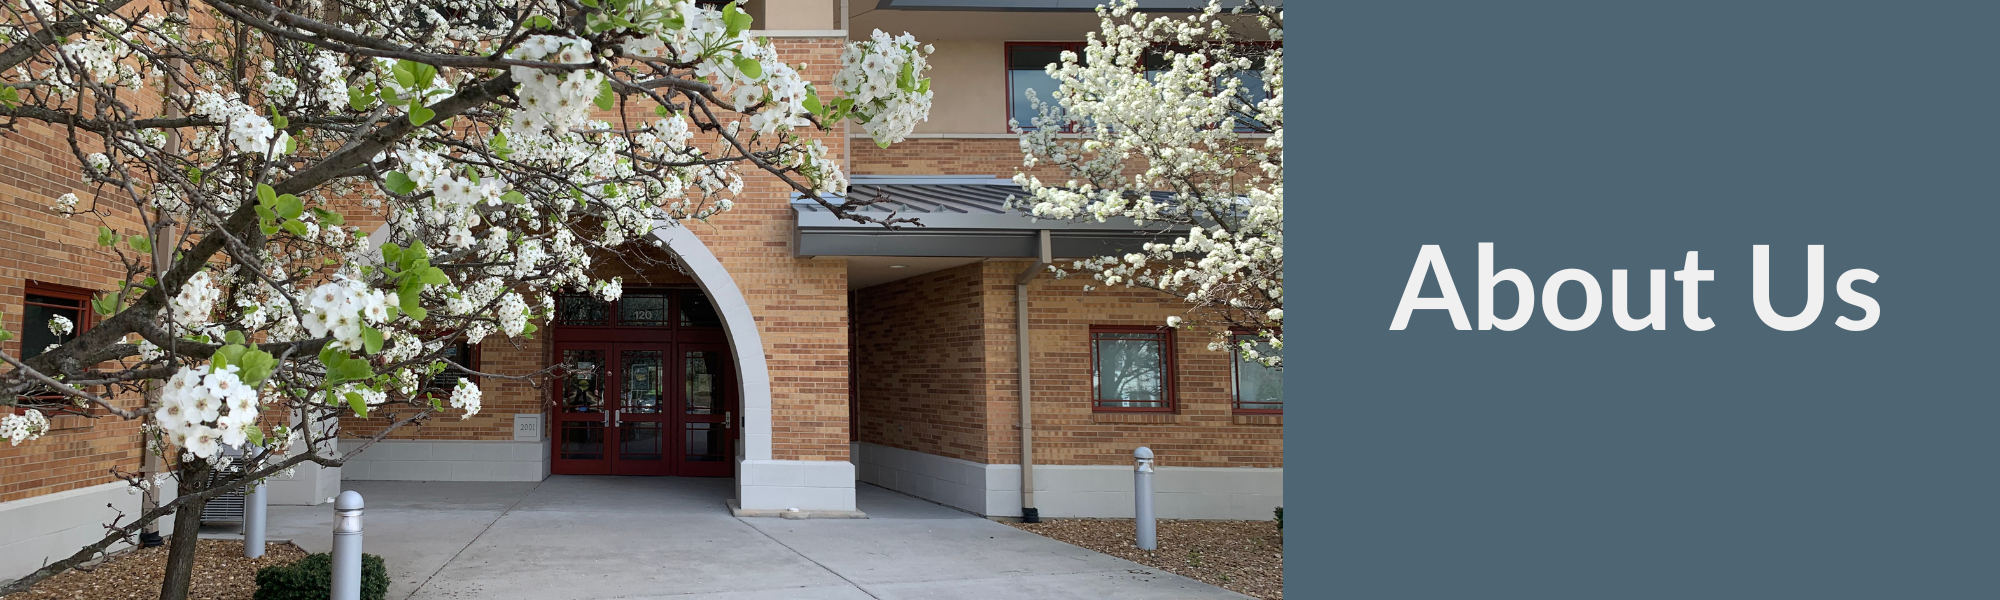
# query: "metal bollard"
253,521
1142,495
347,546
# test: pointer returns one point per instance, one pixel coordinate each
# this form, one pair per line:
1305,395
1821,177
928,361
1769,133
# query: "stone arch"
753,379
745,344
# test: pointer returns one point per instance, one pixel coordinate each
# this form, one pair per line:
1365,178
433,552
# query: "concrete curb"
795,514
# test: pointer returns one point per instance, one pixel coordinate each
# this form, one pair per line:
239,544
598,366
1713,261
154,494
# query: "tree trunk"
187,532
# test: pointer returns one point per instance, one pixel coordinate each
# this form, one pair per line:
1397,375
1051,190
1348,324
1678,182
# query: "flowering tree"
1176,124
243,142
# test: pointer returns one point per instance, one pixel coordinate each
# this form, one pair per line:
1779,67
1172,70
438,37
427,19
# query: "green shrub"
1281,517
311,578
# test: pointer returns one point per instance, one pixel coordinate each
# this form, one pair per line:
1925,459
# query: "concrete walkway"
589,538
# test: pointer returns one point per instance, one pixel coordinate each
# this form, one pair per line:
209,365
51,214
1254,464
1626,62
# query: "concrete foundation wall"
807,485
51,527
448,460
1074,491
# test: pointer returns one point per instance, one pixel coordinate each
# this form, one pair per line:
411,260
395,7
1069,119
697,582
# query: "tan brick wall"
928,383
1000,157
800,306
37,165
920,350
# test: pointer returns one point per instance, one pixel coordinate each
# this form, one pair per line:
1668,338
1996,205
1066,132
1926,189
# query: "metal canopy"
963,216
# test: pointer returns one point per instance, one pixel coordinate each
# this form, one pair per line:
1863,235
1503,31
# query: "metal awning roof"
963,216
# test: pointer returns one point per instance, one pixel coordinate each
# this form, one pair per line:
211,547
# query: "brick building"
794,353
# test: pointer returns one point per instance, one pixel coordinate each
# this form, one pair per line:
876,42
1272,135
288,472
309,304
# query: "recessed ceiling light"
899,266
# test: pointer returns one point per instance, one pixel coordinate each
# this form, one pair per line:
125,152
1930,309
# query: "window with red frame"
44,302
1131,369
1258,388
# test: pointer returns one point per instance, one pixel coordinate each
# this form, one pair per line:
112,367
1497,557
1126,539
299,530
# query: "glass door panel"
581,414
642,417
707,410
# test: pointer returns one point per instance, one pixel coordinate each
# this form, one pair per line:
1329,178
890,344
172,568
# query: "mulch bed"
220,573
1247,557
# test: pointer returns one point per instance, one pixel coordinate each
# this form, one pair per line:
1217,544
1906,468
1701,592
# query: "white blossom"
1169,148
28,425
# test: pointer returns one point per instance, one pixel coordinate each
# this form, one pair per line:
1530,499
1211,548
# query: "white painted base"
1089,491
52,527
448,460
807,485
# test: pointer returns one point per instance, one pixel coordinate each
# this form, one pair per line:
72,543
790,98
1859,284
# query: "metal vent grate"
226,508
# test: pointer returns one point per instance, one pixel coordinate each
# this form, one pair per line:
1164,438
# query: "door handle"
617,418
607,418
728,419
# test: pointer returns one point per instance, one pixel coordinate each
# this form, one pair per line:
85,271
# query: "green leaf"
359,100
104,304
433,276
281,122
924,86
194,175
266,195
812,102
354,402
908,79
404,75
255,435
105,236
411,303
233,337
328,217
605,96
256,366
425,74
420,115
736,20
371,339
352,369
391,253
543,22
291,145
514,197
662,111
289,206
750,67
297,228
140,243
227,355
399,183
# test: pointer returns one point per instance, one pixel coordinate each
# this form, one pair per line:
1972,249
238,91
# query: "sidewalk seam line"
475,539
767,535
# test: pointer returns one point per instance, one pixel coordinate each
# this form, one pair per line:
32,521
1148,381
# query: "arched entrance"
649,390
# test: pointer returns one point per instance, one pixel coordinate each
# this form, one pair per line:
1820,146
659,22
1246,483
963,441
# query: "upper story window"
1259,389
1027,64
44,304
1131,369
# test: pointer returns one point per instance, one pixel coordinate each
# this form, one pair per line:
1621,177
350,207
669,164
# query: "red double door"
644,408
